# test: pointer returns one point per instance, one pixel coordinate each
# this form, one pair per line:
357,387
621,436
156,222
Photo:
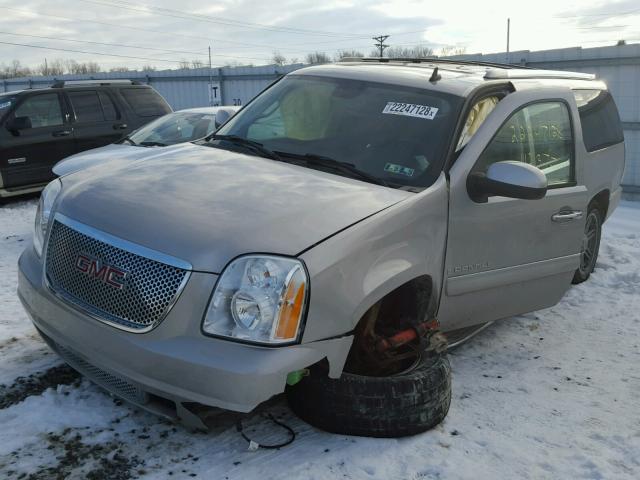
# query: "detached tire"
397,406
590,244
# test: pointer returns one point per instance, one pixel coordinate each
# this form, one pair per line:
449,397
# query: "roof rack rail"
69,83
448,61
499,74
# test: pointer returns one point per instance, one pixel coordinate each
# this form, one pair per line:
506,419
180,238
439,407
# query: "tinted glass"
6,102
175,128
108,108
540,135
42,110
397,134
87,106
599,119
145,102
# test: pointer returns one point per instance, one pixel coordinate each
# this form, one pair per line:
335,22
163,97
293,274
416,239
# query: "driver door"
510,256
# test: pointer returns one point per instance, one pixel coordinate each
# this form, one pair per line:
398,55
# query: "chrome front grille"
139,302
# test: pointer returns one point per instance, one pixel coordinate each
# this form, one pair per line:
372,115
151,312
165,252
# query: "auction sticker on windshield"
410,110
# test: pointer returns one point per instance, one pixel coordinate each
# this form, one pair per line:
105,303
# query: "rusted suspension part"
374,354
406,336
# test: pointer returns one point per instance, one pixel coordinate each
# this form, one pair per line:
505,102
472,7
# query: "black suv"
42,126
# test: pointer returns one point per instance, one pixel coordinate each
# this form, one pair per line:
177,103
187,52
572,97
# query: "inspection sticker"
399,169
410,110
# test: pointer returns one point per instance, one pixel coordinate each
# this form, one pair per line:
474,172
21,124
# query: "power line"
94,53
186,52
167,12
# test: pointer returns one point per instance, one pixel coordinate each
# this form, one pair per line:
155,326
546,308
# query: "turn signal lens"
290,315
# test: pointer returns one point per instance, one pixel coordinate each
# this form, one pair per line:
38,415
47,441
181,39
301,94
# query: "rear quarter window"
599,119
145,102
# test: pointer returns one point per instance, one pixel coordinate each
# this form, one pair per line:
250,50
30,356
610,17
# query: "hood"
115,152
206,205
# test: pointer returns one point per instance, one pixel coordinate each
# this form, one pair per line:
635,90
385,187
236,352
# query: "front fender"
352,270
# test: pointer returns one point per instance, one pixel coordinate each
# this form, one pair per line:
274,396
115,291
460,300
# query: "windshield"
396,134
178,127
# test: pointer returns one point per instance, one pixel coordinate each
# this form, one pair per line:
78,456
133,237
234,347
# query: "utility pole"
210,80
508,35
380,43
46,68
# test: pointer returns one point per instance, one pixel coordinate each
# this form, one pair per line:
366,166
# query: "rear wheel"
590,245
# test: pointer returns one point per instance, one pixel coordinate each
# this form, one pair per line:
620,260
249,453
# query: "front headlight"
43,214
259,299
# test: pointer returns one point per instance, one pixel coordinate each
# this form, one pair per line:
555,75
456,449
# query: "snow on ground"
553,394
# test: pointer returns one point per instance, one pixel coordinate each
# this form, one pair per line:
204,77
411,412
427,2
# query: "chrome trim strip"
474,282
123,244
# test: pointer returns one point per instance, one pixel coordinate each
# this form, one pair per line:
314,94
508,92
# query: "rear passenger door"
510,256
96,120
27,155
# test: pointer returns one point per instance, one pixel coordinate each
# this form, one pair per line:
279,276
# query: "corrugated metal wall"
181,88
618,66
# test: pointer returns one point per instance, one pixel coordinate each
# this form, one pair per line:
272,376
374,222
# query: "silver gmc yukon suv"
329,241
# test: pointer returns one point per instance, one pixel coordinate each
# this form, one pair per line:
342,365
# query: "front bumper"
174,362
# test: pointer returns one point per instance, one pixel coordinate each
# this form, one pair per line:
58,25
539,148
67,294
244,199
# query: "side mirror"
508,179
223,115
19,123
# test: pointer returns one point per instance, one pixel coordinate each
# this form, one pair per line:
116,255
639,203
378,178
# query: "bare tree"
119,69
197,63
185,64
452,51
53,67
294,60
316,58
419,51
348,53
278,58
149,68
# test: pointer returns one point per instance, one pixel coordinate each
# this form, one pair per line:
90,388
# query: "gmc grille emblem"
107,274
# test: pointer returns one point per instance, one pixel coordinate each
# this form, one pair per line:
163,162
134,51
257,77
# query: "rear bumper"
175,361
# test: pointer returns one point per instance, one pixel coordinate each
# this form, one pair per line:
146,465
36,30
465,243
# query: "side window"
108,108
87,106
540,135
477,115
599,119
145,102
42,110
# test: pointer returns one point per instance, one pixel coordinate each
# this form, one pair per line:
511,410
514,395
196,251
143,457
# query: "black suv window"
145,102
43,110
108,108
87,106
599,118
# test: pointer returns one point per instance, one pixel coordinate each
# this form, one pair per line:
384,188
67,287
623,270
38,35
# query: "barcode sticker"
410,110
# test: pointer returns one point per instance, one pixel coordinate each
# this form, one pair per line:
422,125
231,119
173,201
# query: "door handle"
120,126
61,133
567,216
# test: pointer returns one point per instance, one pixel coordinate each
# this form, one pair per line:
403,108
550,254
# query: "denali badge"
108,274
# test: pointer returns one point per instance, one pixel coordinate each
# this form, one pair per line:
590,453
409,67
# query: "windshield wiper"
328,162
152,144
128,139
256,147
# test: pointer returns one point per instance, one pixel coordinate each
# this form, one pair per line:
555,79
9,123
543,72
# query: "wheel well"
602,200
410,302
